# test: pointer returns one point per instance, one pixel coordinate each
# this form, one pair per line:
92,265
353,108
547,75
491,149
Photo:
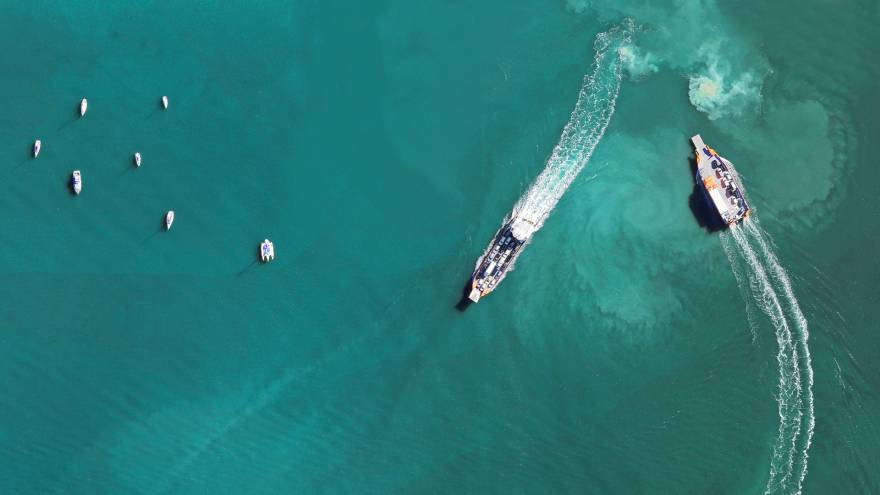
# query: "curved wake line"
804,336
772,292
789,379
741,284
586,126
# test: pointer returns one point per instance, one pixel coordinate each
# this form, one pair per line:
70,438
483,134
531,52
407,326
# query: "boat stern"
475,295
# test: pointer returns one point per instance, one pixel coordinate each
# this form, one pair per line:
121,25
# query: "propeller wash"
771,291
584,130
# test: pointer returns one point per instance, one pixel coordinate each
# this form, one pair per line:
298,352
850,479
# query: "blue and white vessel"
76,181
267,251
720,184
498,259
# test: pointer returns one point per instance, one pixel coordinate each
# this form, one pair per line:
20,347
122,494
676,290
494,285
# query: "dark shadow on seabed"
69,183
76,116
131,166
29,157
156,111
247,268
703,214
464,303
157,232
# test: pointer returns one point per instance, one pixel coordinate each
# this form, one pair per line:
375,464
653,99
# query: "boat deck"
499,258
720,183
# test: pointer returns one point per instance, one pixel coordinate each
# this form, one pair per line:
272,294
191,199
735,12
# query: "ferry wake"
584,130
771,291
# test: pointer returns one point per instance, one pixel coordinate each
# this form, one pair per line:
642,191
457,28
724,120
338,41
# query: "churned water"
379,144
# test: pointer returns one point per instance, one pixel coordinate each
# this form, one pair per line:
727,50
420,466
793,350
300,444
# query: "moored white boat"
164,102
76,181
83,106
267,251
37,145
169,219
137,159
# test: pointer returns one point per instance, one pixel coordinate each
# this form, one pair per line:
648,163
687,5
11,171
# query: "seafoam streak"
585,128
743,283
772,292
800,321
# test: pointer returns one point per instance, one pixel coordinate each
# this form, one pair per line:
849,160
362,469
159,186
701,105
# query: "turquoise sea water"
379,145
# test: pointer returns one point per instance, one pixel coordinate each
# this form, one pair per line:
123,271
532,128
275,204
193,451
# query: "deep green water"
379,145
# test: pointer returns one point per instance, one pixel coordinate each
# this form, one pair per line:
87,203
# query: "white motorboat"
137,159
83,106
164,102
267,251
76,181
37,145
169,219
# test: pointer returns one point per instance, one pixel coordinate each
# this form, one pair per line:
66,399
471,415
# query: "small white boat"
83,106
267,251
76,181
37,145
169,219
164,102
137,159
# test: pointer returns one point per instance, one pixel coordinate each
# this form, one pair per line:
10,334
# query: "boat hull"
267,251
719,184
76,182
496,262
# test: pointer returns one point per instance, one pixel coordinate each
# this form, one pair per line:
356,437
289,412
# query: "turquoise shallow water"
380,146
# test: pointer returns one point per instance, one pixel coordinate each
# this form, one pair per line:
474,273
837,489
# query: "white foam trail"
585,128
771,289
781,277
789,387
741,284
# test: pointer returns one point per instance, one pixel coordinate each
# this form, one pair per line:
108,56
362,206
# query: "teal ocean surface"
380,145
